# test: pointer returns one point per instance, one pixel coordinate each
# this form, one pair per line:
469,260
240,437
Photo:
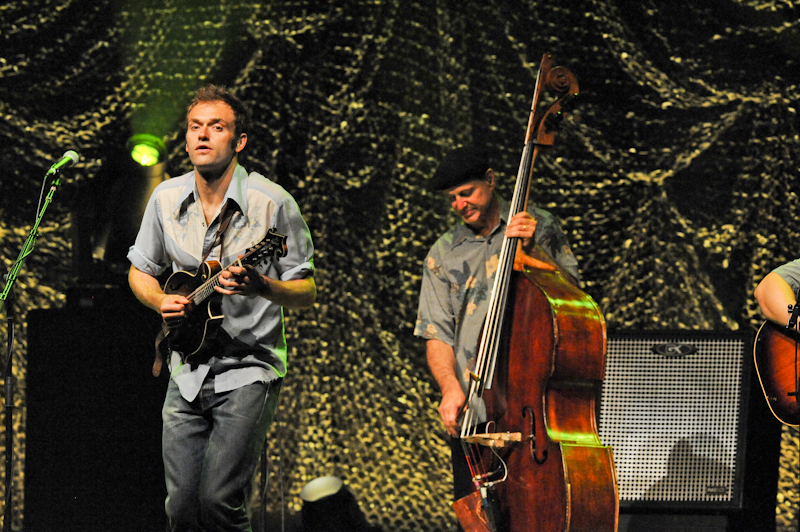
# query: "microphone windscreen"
73,155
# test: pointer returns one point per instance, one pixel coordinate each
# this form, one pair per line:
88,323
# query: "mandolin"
204,314
776,354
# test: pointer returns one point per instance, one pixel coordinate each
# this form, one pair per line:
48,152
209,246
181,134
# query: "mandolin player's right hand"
173,309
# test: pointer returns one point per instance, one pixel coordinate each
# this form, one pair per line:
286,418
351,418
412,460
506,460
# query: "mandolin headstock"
273,245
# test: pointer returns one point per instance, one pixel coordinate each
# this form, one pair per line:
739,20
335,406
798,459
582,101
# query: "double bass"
537,463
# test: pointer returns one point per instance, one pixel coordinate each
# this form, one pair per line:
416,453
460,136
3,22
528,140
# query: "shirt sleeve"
790,272
435,316
298,263
554,242
148,253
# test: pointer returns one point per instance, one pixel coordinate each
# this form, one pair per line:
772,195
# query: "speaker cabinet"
93,439
674,409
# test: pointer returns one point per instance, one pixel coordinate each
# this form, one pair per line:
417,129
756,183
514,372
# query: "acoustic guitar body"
776,354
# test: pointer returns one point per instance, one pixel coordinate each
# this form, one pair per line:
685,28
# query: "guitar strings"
205,289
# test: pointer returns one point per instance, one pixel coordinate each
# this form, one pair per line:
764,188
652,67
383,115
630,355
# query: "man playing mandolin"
458,275
223,389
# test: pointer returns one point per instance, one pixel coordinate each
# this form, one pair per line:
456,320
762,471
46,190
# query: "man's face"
210,137
472,200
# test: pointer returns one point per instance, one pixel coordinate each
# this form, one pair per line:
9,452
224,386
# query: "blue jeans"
210,448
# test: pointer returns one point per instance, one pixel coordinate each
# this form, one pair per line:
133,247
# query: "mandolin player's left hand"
241,280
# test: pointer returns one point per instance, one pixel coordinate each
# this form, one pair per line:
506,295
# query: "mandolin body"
202,322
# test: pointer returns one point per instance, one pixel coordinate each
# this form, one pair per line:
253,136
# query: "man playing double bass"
457,280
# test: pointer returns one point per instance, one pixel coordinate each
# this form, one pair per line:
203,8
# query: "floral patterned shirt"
457,281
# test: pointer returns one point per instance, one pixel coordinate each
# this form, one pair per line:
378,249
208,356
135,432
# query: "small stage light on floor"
328,506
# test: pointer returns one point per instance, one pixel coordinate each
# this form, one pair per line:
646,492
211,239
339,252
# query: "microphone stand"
9,421
7,294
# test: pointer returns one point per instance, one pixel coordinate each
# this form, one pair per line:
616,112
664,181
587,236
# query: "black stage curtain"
675,177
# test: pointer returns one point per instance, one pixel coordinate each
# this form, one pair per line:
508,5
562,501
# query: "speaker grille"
672,410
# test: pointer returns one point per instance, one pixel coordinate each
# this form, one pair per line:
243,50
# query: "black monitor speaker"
677,408
93,438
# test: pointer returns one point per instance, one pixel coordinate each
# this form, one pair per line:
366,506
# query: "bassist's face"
474,202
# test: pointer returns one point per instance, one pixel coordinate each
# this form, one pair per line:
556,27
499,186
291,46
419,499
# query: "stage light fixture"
146,150
328,506
141,167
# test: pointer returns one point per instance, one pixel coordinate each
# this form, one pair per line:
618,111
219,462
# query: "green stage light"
137,178
144,154
147,150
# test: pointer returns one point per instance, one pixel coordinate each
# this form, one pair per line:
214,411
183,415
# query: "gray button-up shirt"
174,231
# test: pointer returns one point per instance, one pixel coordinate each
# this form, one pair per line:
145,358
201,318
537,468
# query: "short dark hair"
215,93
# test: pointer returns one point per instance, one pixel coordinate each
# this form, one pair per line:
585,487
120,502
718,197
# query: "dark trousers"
462,478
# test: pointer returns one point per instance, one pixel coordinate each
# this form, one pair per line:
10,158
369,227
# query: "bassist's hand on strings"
450,409
522,225
442,363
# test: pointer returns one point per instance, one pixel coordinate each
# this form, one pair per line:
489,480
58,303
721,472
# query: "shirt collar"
237,191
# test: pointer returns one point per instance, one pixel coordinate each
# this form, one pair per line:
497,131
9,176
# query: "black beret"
461,165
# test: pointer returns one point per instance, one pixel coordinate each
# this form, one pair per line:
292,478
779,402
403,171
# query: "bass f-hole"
527,414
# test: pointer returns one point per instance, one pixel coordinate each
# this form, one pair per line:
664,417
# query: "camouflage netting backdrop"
675,177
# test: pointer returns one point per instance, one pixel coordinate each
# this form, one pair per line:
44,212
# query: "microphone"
69,158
